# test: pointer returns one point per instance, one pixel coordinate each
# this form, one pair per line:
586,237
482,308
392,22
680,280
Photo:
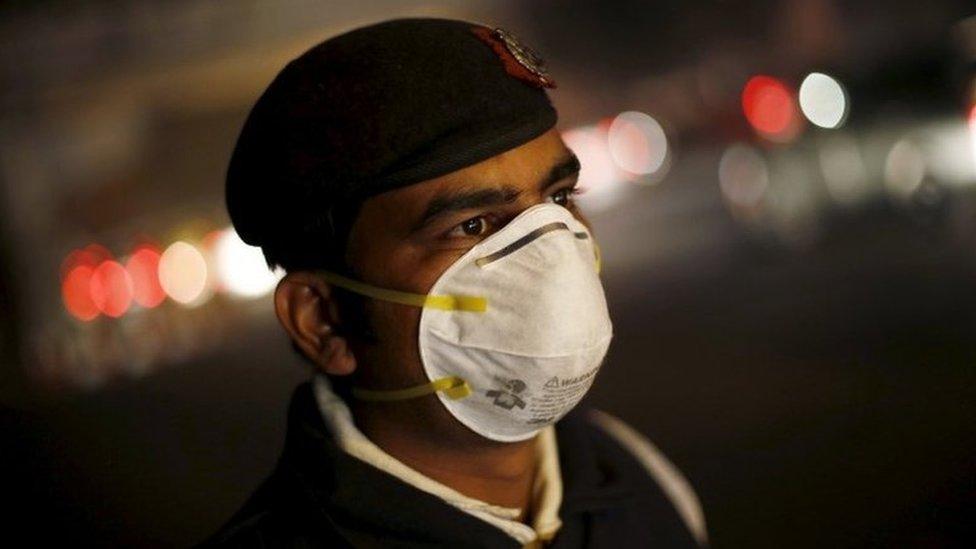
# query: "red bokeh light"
97,253
77,258
770,107
143,268
111,288
91,255
76,293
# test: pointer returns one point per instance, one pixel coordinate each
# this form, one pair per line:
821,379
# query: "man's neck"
497,473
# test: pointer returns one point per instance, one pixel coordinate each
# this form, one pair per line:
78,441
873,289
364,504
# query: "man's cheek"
397,328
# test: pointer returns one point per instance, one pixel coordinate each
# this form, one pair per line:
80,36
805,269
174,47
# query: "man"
444,285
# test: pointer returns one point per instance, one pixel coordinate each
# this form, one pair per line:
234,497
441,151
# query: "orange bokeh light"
143,268
76,293
111,288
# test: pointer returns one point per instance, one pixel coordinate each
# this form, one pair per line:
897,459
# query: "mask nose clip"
535,235
529,238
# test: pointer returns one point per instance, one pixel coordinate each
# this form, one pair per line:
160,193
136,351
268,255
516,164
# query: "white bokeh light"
743,175
949,148
241,268
599,179
971,123
844,171
823,100
904,169
637,143
183,273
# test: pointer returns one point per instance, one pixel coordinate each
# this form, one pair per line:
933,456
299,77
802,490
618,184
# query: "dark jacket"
319,496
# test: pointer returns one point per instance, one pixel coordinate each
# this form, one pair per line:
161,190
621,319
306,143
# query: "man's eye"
563,197
476,226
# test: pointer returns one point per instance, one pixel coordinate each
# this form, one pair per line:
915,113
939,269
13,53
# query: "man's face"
406,238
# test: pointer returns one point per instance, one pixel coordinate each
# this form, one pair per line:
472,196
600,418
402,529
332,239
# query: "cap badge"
527,65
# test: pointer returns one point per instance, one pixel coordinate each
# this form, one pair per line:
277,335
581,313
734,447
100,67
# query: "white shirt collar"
547,490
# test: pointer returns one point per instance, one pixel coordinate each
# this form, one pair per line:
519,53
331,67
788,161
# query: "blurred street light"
599,179
241,268
183,273
143,268
111,289
823,100
844,172
770,108
637,143
76,293
743,176
904,169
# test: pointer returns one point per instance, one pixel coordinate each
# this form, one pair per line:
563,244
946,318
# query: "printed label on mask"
508,397
544,405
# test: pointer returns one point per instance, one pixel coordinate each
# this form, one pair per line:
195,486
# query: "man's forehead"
522,167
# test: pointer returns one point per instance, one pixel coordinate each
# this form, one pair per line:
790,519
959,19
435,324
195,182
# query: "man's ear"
307,308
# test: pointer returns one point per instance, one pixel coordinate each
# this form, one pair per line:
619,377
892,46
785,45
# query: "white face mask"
513,333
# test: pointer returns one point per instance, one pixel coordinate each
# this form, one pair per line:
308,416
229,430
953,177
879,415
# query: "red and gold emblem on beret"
520,61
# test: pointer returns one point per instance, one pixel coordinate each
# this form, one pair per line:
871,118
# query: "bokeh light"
844,170
77,258
111,288
183,273
599,177
947,146
904,169
637,143
770,108
143,268
241,268
971,119
91,255
743,175
792,201
823,100
76,293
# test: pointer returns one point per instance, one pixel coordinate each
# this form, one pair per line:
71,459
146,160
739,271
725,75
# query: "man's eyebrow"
457,201
460,200
570,165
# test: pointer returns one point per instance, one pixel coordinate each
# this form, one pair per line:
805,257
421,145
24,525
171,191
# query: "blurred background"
785,194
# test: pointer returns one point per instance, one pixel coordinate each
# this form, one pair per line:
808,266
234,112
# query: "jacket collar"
590,482
366,505
343,492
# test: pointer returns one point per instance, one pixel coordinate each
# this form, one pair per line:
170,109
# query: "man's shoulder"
268,520
244,531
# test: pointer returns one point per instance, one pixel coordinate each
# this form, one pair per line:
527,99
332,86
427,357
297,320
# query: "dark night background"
808,363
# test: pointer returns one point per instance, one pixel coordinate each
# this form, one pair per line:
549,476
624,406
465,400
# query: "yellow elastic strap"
453,387
599,257
474,304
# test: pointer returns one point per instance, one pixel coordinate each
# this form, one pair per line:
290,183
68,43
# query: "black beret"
378,108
